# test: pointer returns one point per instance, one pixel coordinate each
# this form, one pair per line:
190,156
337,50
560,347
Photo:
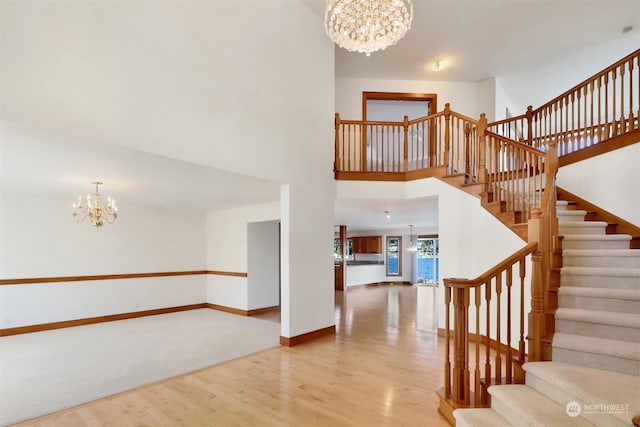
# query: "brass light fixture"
95,210
366,26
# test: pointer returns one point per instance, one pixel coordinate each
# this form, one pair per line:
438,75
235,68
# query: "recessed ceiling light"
628,29
387,214
438,65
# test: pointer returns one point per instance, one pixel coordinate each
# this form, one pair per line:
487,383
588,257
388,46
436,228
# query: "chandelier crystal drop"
95,210
366,26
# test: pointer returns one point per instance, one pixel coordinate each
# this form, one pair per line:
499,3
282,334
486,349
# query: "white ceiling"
34,163
479,39
369,214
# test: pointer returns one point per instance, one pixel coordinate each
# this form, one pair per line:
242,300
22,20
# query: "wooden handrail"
425,118
598,109
520,145
501,266
587,81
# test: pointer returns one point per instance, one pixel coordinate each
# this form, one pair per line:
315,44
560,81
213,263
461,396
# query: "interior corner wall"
39,238
462,96
486,98
227,251
610,181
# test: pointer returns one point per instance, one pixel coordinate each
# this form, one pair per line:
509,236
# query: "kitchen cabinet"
367,244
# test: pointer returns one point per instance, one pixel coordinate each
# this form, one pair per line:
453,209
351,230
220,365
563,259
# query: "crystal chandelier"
366,26
96,211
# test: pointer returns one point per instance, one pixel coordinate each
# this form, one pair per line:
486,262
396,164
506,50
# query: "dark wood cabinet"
367,244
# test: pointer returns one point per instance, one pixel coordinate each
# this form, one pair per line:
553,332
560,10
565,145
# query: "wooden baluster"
498,361
509,356
591,121
487,359
383,143
447,137
577,129
447,340
614,79
460,346
476,372
482,145
622,118
631,125
519,376
336,152
638,98
529,118
406,143
600,124
467,148
606,107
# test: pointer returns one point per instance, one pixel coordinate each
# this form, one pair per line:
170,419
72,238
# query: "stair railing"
444,139
601,107
492,297
514,174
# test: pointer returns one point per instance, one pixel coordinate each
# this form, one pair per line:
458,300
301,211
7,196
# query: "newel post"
406,143
482,141
447,136
336,160
529,117
536,315
461,386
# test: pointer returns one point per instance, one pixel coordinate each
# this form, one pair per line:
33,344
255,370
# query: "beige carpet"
48,371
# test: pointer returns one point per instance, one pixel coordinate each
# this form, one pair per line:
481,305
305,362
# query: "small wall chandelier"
366,26
94,210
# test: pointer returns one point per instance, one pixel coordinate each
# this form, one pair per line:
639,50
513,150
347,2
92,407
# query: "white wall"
365,274
610,181
39,238
263,264
166,78
462,96
542,84
227,251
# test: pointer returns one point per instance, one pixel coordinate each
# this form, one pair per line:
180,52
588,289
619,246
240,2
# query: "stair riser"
565,228
562,397
601,261
563,216
505,411
601,304
613,282
597,361
595,244
598,330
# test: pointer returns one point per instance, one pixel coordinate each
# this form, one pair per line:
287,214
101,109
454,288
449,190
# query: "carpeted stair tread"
623,237
600,299
594,345
626,294
626,320
566,228
587,385
602,252
571,215
606,258
602,271
479,417
523,406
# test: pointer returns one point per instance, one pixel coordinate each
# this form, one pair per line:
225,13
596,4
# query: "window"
428,259
394,255
337,252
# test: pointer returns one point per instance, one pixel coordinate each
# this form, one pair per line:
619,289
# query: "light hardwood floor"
381,369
